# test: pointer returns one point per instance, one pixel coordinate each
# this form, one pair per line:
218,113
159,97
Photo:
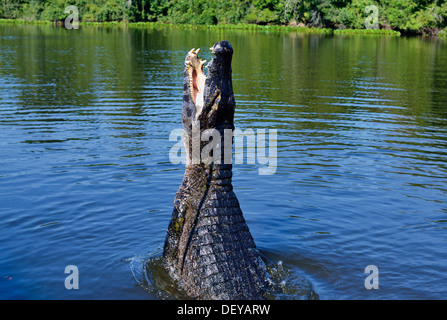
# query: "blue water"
86,178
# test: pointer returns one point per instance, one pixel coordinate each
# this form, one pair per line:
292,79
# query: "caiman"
209,249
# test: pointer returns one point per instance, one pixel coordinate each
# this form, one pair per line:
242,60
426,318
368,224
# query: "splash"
286,282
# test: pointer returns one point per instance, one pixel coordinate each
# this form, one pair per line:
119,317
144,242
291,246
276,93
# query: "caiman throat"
209,249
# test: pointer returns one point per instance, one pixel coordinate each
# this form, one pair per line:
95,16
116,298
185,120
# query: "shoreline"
241,26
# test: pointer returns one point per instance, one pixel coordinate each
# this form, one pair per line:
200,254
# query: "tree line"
403,15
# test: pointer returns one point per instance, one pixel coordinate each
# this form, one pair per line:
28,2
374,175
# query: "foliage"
402,15
412,15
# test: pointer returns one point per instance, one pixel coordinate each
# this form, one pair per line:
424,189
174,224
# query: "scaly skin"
208,248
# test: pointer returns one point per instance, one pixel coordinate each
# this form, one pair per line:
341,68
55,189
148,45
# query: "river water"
86,178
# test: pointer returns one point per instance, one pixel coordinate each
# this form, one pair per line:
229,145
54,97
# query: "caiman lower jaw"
196,79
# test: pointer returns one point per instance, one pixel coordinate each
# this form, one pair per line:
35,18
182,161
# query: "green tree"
11,9
403,15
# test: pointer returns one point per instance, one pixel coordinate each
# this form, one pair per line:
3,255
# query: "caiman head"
208,100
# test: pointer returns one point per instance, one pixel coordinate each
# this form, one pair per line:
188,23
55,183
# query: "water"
86,180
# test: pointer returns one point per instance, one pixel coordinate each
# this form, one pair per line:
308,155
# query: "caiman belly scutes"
221,257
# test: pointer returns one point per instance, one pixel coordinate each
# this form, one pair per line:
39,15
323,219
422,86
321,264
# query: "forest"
407,16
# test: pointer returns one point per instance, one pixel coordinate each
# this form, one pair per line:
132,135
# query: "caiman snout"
222,48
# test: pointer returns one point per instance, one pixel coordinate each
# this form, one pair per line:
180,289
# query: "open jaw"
196,79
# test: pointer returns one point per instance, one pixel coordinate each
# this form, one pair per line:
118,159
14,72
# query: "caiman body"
209,249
